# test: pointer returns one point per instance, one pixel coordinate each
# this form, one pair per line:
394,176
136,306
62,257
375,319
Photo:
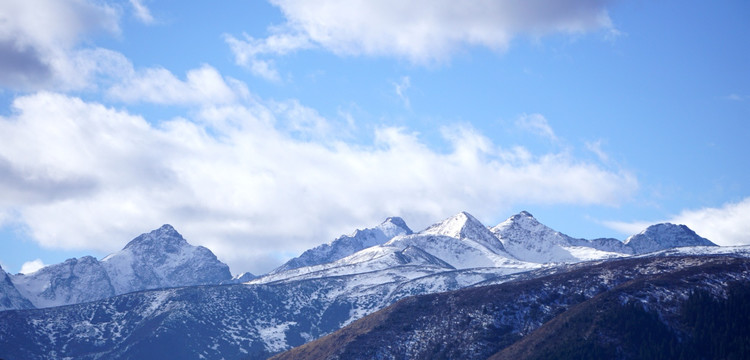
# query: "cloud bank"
256,181
422,31
38,42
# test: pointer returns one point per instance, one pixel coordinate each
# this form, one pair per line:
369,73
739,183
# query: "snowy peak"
527,239
464,226
164,239
163,258
522,225
665,236
70,282
394,226
347,245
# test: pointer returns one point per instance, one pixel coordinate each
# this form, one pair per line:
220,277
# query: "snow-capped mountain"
665,236
477,322
73,281
161,258
286,308
458,242
527,239
10,298
348,244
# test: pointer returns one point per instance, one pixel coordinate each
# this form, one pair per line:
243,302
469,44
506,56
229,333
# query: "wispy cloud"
400,88
596,148
725,225
238,178
142,12
738,97
253,53
536,124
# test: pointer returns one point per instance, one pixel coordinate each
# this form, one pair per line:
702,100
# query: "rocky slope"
348,244
283,309
477,323
10,298
160,258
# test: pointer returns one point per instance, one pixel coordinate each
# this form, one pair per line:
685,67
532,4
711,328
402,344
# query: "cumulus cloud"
726,225
203,85
31,266
236,178
422,31
38,41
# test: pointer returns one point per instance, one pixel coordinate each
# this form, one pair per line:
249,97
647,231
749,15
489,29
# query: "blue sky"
260,129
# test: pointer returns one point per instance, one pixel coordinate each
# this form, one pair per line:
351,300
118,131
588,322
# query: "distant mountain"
665,236
529,240
161,258
10,298
348,244
256,317
477,323
71,282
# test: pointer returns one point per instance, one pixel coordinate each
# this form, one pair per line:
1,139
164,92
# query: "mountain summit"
346,245
160,258
163,258
465,226
527,239
665,236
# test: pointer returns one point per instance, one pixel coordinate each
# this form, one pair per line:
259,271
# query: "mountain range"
159,259
160,291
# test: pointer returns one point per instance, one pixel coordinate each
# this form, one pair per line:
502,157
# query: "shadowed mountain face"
478,323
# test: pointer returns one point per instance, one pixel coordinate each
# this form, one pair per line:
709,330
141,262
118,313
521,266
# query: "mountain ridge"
160,258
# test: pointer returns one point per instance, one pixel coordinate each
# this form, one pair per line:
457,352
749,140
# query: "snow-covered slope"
459,242
529,240
348,244
463,226
73,281
10,298
665,236
161,258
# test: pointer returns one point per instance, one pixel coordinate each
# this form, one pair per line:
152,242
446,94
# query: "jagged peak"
398,222
524,219
166,234
456,226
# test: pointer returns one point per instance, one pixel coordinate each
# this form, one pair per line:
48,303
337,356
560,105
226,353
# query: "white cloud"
421,31
31,266
536,124
400,88
142,12
157,85
737,97
38,40
81,175
596,148
726,225
252,53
